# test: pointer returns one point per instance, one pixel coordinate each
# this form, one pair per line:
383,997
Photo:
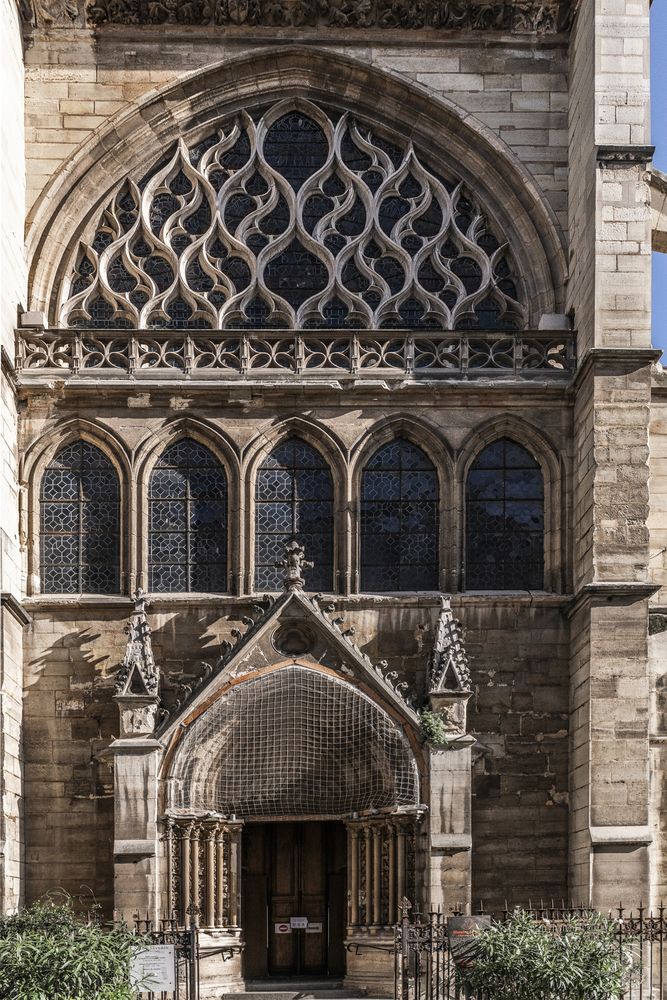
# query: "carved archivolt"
298,219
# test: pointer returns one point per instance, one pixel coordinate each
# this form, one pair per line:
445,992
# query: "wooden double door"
292,871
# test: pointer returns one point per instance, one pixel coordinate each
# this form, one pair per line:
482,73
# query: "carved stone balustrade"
103,355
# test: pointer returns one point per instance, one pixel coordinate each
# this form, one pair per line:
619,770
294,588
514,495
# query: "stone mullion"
220,876
234,855
353,874
185,870
400,863
195,883
377,874
390,833
211,831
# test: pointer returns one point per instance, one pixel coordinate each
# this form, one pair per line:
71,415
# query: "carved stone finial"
449,680
448,664
294,562
138,675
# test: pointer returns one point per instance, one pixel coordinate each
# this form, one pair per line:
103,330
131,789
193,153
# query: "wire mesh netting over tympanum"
295,742
297,218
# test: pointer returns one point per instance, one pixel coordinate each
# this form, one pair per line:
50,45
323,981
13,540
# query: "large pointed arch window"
298,217
399,520
188,521
294,499
504,520
80,523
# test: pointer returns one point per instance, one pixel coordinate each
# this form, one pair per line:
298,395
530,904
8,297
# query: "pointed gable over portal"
293,720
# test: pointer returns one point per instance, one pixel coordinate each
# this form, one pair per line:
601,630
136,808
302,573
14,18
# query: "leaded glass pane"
80,523
187,546
505,520
294,499
399,520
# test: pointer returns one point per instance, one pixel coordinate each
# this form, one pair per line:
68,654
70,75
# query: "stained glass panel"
294,499
80,523
399,520
188,521
504,520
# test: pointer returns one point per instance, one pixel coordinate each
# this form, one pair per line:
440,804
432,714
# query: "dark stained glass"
399,520
80,523
187,521
504,520
294,499
322,206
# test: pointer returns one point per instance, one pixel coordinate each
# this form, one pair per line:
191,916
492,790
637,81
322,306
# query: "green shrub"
433,727
526,959
47,952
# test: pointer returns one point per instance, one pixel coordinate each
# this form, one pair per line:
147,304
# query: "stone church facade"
334,517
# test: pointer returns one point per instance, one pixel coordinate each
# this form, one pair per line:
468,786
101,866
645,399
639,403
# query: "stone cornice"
543,17
15,608
624,156
599,359
611,590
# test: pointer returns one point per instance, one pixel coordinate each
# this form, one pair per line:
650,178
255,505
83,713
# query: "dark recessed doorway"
294,870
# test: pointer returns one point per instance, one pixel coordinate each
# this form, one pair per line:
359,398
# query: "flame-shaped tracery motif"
295,220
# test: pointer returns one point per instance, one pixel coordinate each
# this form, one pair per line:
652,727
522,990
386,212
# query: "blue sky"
659,123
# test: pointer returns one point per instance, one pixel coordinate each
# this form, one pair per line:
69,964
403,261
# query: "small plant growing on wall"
47,952
433,727
578,958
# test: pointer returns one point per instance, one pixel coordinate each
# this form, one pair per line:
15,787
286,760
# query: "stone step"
291,989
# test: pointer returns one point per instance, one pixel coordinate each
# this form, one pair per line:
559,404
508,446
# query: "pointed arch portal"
295,742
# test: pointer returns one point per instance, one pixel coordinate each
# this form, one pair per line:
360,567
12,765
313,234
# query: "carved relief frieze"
519,16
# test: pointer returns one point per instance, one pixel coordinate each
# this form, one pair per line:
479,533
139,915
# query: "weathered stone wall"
77,80
609,291
13,280
518,652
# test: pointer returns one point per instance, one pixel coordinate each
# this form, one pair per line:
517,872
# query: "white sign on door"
154,968
314,927
298,923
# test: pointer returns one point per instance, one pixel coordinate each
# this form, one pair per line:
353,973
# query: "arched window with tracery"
80,523
294,500
504,520
187,521
299,217
399,520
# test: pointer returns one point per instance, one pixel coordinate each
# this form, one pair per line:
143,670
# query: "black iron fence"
185,944
429,962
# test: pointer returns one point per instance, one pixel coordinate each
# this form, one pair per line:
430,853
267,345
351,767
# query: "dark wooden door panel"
294,870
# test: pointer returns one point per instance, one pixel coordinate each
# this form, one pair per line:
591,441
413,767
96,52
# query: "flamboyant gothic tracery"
298,219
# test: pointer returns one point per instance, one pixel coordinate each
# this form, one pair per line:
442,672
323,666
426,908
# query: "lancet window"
188,520
399,520
504,520
300,218
294,500
80,523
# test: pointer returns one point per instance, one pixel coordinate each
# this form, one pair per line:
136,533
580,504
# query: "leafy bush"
433,727
526,959
47,952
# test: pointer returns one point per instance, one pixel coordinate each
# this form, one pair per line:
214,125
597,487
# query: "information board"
154,968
